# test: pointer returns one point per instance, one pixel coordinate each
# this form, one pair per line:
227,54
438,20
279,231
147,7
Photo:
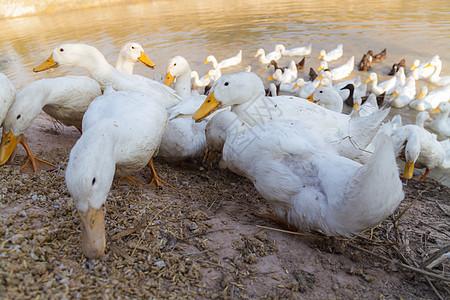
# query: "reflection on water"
195,29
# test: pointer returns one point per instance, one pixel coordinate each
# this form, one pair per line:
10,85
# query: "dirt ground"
200,238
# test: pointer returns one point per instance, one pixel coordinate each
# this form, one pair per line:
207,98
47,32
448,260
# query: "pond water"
410,29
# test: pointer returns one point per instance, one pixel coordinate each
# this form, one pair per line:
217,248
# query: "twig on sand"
407,267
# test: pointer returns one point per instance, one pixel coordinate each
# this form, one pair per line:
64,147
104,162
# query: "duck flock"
318,168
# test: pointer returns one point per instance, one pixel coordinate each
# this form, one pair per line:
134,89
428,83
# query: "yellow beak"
93,227
434,111
206,61
144,59
320,56
355,106
7,146
169,79
368,80
208,107
49,63
413,67
295,86
428,65
311,98
319,68
408,170
394,95
420,95
271,78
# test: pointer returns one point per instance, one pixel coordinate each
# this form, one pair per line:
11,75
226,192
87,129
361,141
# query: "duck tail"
376,186
366,127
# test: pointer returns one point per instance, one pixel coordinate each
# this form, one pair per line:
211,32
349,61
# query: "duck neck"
182,85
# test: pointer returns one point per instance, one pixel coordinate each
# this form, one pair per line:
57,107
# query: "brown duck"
396,67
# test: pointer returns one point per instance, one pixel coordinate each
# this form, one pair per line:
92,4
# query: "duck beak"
208,107
355,106
420,95
408,171
206,61
413,67
394,95
271,78
319,68
295,86
311,98
7,146
428,65
320,56
93,228
144,59
49,63
434,111
169,79
368,80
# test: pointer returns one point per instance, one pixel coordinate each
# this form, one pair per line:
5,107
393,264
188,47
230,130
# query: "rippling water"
195,29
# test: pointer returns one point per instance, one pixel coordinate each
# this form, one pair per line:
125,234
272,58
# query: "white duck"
304,89
422,72
436,78
307,184
232,61
333,54
441,125
288,76
183,138
387,86
340,72
431,100
329,98
129,54
265,59
244,92
419,148
298,51
66,99
117,140
402,96
89,58
200,82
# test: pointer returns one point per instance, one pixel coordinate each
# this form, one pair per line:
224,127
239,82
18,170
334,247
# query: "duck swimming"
117,140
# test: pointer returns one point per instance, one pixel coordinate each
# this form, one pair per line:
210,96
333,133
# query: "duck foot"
156,181
132,179
422,178
32,158
273,218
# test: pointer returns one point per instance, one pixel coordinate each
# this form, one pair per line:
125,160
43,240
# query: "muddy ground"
200,238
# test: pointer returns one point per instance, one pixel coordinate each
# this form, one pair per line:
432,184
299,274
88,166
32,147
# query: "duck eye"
61,50
320,91
226,83
132,47
18,117
93,181
175,64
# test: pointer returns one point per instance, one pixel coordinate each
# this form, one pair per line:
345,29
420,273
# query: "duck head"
229,90
134,52
89,176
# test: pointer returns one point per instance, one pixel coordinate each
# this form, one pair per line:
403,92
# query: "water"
195,29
